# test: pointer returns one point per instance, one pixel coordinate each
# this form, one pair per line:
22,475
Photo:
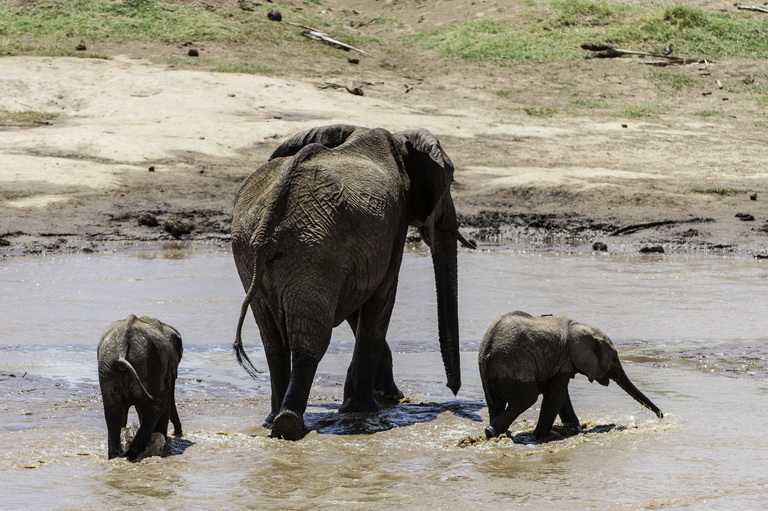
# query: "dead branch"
649,225
319,35
752,8
603,52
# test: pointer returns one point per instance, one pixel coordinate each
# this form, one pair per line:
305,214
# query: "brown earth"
545,154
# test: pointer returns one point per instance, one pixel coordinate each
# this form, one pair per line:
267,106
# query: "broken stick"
751,8
648,225
604,51
319,35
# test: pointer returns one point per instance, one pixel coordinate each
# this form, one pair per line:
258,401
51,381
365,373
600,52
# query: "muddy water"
693,332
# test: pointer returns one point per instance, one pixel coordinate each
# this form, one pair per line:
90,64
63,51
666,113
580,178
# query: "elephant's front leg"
568,415
370,343
555,395
384,387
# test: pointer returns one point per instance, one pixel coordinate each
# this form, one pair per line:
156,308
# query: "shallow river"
692,332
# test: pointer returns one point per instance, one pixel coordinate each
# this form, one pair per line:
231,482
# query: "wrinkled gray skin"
318,234
138,365
522,356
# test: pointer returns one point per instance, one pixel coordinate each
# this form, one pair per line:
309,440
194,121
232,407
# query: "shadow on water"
561,433
402,415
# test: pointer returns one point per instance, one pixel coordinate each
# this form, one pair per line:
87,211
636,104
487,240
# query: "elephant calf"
522,356
138,365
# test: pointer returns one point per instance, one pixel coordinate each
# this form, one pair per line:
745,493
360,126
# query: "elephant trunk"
446,281
623,381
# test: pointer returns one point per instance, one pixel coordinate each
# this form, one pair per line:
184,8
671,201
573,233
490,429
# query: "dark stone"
151,169
657,249
599,246
80,47
148,219
352,60
176,227
275,15
193,52
745,217
4,242
753,196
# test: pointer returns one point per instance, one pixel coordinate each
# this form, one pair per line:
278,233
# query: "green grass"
504,93
539,111
554,32
725,192
639,109
709,113
241,67
674,79
586,102
26,118
55,27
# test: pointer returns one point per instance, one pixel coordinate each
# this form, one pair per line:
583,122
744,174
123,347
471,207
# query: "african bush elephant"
138,364
318,234
522,356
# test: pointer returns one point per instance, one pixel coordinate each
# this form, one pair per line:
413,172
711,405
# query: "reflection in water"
666,315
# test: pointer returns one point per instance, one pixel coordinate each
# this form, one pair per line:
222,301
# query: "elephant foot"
269,420
288,425
388,397
490,432
358,405
132,454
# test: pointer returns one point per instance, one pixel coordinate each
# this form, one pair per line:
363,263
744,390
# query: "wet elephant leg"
148,421
370,345
567,414
554,397
385,389
289,423
278,359
116,415
521,396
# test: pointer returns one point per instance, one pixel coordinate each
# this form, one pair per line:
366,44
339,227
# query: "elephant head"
594,356
429,207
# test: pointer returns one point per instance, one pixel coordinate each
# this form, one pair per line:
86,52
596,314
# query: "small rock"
148,219
599,246
176,227
753,196
745,217
275,15
152,169
657,249
623,125
193,52
80,47
353,60
4,242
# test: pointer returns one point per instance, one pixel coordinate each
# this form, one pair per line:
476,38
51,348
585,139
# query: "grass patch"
709,113
554,31
26,118
504,93
725,192
762,101
586,102
539,111
673,79
241,67
55,27
639,109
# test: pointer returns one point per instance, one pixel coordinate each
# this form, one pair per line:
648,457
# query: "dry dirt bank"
134,135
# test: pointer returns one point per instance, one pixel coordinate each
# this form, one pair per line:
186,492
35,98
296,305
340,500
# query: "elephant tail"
242,357
124,365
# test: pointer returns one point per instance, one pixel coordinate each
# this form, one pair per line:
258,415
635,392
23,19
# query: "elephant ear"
429,170
330,136
585,349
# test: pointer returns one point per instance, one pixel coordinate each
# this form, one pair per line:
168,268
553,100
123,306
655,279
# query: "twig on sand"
319,35
603,51
649,225
752,8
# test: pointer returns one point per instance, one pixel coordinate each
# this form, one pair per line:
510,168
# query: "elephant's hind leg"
385,389
521,397
553,402
289,423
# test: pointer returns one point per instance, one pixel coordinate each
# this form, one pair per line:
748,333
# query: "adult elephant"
318,235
